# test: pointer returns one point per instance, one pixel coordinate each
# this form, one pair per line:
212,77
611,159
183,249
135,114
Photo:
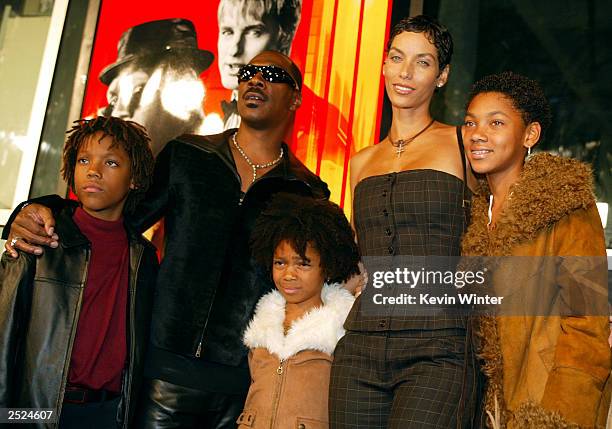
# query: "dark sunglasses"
272,74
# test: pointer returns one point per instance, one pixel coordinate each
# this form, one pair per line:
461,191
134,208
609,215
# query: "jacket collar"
549,188
290,168
319,329
213,143
71,235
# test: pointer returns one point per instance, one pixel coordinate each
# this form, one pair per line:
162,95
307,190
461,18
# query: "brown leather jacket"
546,371
290,373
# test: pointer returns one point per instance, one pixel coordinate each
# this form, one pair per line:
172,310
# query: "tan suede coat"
290,373
546,371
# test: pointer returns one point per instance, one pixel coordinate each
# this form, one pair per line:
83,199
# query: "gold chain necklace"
254,166
400,145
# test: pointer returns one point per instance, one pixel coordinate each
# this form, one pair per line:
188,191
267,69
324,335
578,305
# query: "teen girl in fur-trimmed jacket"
547,365
308,245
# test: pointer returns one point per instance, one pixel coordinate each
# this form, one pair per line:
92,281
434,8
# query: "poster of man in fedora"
155,79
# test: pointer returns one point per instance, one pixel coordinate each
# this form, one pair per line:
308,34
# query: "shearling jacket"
207,286
546,371
40,303
290,373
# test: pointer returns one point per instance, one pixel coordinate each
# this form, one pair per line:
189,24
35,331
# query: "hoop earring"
529,151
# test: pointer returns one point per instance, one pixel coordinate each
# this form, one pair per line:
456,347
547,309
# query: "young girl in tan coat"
308,247
544,369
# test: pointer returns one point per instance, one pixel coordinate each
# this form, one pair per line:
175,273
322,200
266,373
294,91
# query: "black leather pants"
166,405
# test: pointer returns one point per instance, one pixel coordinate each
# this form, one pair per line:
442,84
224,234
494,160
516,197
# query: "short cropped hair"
301,221
435,32
132,137
526,95
285,12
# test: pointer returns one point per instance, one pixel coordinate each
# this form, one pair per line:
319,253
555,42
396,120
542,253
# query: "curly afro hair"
526,95
435,32
132,137
301,221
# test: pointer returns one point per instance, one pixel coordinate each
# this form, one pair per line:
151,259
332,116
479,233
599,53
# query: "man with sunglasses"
210,189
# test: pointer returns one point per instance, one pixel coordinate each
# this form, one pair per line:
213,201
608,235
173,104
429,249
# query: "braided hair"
130,136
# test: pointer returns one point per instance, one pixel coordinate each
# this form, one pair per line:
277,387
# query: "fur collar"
319,329
549,188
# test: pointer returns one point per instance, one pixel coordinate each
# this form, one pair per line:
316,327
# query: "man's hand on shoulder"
32,228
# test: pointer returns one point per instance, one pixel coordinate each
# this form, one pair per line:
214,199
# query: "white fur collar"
319,329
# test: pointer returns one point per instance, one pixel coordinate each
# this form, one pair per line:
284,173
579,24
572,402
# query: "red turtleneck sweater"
99,351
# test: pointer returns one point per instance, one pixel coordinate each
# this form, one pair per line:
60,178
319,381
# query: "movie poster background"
340,58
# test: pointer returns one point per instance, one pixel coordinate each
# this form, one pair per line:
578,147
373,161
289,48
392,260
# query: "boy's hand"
34,225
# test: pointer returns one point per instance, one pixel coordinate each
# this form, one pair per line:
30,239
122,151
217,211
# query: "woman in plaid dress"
393,369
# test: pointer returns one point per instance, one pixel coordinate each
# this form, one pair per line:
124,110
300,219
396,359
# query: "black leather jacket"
207,287
40,301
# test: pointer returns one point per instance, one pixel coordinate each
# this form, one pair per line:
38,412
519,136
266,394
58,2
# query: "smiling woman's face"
411,70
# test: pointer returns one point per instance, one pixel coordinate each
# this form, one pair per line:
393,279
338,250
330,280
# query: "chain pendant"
400,145
251,164
400,148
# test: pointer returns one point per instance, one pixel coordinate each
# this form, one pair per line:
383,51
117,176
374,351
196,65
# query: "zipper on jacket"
132,323
279,384
60,398
198,352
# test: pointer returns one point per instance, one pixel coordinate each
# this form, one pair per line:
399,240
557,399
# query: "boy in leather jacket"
75,322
